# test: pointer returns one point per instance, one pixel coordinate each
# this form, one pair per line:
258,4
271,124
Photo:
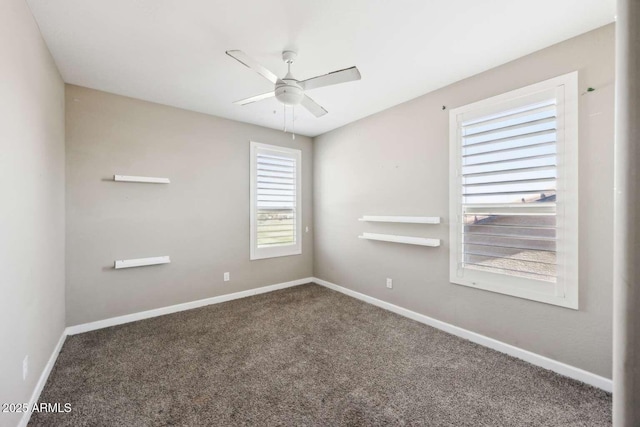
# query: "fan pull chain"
293,122
284,115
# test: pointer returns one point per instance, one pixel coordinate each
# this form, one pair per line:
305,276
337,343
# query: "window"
275,201
514,193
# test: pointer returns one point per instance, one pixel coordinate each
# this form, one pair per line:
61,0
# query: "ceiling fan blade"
246,60
255,98
340,76
313,107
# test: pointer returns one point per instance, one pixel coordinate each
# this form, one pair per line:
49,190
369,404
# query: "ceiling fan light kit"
288,90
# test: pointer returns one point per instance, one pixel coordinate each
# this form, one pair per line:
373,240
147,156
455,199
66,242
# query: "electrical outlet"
25,367
227,277
389,283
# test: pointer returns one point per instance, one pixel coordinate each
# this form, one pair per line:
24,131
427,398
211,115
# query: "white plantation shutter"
509,177
514,196
275,201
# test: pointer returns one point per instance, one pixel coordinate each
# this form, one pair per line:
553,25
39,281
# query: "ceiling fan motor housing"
289,92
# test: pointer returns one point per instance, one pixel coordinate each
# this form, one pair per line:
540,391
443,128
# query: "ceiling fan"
288,89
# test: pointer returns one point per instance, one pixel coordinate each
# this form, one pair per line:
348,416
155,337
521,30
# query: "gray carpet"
303,356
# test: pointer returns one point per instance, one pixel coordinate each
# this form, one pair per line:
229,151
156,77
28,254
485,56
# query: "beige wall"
32,206
201,219
396,163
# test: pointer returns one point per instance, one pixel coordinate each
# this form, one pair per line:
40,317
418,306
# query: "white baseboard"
113,321
42,380
528,356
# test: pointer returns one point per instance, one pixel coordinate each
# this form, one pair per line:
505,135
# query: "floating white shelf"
421,241
145,179
405,219
141,262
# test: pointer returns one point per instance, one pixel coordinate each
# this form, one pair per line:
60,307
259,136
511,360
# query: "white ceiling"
173,51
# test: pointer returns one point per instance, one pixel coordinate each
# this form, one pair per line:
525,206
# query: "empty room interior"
320,213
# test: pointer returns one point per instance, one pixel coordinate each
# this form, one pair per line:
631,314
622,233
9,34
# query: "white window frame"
257,253
565,292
